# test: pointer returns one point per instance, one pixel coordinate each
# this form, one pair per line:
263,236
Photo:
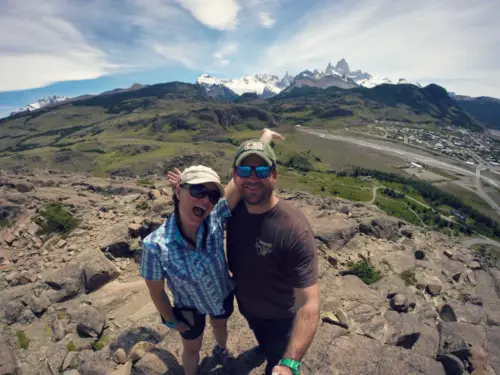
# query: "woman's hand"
174,178
182,327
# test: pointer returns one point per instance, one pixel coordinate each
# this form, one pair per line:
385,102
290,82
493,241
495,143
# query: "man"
272,256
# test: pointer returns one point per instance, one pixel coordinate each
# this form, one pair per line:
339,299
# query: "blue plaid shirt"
198,278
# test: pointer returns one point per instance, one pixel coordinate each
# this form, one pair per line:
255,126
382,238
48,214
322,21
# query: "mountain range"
42,102
267,85
485,111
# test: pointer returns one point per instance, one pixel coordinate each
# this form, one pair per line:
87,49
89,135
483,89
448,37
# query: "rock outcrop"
76,304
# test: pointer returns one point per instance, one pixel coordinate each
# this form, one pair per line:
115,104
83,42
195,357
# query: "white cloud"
216,14
420,41
37,52
61,40
178,52
223,52
266,20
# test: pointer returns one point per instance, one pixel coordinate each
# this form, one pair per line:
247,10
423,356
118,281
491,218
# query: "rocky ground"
75,304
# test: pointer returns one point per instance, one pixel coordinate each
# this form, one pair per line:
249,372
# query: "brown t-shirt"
270,254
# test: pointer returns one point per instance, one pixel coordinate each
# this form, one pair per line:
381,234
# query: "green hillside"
131,131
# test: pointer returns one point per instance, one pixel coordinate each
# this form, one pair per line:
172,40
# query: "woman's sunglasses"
200,192
244,171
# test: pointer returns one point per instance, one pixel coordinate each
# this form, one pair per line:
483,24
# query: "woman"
188,252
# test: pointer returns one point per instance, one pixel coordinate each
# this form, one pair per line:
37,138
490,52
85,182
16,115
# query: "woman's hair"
176,208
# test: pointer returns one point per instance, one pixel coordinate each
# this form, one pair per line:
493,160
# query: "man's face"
255,190
194,210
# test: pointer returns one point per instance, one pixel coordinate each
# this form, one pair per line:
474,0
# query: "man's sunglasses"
263,171
200,191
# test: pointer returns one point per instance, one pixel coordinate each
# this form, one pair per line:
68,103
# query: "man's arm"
302,260
305,323
162,302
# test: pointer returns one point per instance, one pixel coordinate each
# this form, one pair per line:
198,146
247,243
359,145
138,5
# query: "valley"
82,182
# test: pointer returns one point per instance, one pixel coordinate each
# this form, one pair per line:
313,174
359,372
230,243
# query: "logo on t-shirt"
263,248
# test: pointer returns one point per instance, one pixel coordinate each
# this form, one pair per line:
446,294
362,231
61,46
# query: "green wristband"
291,364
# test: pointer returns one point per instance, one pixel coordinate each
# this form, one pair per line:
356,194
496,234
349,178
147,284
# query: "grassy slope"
95,136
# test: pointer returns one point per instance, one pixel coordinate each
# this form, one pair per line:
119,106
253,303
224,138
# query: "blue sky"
73,47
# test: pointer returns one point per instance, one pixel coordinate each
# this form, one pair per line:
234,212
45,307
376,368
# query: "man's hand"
174,177
267,135
182,327
282,370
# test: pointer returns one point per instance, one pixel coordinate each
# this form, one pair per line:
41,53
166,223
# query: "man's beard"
257,198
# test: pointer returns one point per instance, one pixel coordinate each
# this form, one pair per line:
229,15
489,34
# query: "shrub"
96,150
489,256
142,206
408,277
5,223
101,343
54,218
145,182
24,341
71,347
300,162
365,271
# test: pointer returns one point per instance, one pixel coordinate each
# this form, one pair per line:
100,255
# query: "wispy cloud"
451,42
439,40
217,14
266,20
38,48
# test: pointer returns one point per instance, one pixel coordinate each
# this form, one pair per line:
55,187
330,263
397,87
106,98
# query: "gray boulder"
129,337
402,329
38,304
150,364
56,359
451,341
90,363
385,228
13,311
399,303
114,241
90,322
493,347
452,365
339,236
468,313
65,283
86,273
97,270
8,360
447,314
374,358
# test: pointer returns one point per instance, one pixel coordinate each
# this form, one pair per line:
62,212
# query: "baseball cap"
199,174
255,147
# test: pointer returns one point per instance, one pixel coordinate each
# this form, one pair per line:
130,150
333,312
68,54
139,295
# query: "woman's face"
196,202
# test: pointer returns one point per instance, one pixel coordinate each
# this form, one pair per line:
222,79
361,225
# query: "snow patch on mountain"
42,102
266,85
258,83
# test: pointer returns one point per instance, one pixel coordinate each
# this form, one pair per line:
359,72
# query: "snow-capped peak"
340,75
256,83
42,102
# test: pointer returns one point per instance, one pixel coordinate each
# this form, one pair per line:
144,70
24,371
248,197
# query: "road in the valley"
468,242
480,191
414,156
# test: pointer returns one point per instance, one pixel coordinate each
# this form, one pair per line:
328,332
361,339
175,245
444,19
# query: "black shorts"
197,321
